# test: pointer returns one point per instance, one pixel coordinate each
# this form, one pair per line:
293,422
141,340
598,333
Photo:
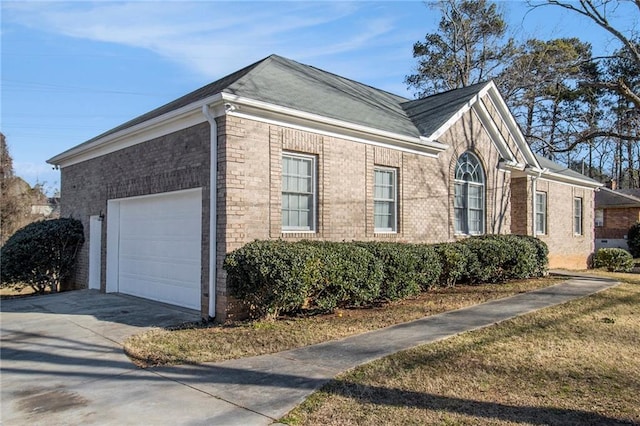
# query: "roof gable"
432,113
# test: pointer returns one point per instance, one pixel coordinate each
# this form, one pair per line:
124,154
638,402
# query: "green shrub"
349,275
271,277
42,254
454,262
614,259
277,277
429,266
503,257
542,255
633,240
400,262
490,255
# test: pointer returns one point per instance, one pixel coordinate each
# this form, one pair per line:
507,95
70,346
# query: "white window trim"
314,199
581,233
544,214
467,208
393,230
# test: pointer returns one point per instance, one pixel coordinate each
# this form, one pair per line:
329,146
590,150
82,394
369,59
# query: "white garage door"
159,247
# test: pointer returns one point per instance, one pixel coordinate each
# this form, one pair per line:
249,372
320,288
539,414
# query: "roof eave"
113,138
559,177
256,107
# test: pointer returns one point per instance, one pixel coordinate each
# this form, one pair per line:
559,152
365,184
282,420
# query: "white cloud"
211,38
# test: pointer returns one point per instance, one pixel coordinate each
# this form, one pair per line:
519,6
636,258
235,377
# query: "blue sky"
71,70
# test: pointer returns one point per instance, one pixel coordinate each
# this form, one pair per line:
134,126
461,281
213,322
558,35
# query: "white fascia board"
490,126
545,174
264,111
181,118
457,116
397,145
512,126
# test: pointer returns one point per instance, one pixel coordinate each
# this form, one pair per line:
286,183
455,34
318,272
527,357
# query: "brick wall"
617,222
567,250
250,185
173,162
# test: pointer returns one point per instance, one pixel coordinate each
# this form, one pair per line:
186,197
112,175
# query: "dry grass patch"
14,292
631,278
573,364
194,344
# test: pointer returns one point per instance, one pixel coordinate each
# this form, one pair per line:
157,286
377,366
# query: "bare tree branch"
589,10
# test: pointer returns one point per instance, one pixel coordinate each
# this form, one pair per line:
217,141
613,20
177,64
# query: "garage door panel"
164,248
163,292
159,255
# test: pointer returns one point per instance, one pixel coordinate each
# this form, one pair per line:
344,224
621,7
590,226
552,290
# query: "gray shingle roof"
554,167
430,113
605,197
284,82
287,83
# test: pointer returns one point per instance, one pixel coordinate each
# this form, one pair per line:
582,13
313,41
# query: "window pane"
384,195
297,192
459,220
459,195
468,200
577,216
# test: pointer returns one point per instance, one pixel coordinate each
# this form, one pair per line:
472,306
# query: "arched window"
468,189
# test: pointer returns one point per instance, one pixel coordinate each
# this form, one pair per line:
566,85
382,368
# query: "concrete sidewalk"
267,387
62,361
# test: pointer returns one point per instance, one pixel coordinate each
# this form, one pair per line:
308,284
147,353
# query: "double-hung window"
541,213
468,202
577,216
385,200
298,192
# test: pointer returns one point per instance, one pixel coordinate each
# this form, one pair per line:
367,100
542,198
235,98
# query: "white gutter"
418,141
213,209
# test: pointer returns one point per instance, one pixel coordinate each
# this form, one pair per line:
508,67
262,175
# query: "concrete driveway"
62,363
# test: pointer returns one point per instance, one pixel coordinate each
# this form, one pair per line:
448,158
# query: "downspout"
213,209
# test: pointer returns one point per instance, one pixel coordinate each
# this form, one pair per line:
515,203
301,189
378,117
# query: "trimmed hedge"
42,254
277,277
614,259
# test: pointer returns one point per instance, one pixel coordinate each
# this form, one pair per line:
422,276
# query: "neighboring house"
616,211
305,154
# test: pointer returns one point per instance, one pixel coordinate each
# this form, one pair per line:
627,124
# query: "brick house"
303,153
616,212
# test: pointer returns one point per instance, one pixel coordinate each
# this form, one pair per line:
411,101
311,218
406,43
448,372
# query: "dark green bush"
272,277
542,255
401,263
429,267
349,275
42,254
503,257
633,240
276,277
454,262
614,259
